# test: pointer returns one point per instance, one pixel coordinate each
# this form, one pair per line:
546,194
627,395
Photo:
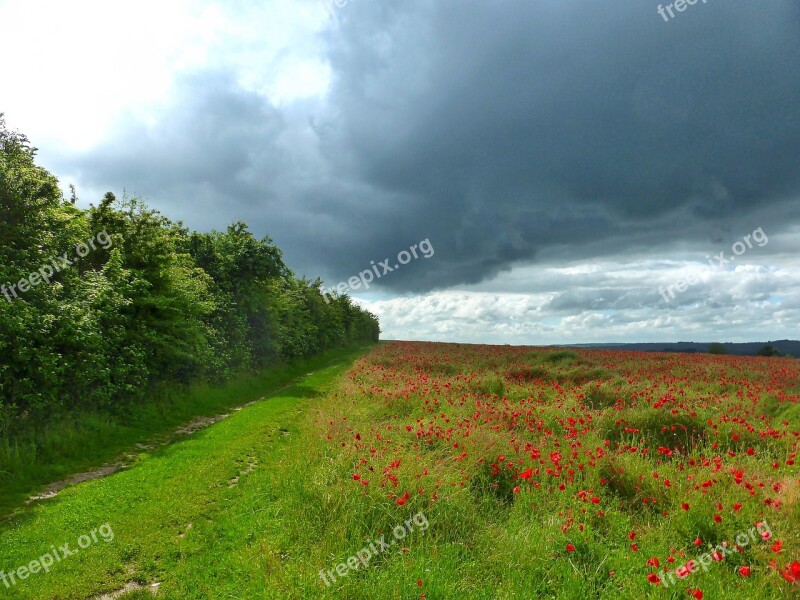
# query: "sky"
556,171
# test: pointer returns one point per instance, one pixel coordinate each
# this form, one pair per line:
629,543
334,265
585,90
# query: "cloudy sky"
566,160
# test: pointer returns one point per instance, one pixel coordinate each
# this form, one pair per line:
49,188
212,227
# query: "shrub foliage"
159,304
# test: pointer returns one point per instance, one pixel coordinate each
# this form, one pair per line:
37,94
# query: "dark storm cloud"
529,124
498,130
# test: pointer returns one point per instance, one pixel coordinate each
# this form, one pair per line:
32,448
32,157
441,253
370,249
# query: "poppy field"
560,473
421,470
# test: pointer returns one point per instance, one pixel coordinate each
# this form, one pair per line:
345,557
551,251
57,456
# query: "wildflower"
792,572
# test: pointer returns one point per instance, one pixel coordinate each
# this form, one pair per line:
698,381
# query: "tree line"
100,305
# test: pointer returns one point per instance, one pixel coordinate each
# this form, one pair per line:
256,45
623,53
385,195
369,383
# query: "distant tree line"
156,304
768,350
717,348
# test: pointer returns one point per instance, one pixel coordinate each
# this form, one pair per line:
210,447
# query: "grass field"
41,453
453,471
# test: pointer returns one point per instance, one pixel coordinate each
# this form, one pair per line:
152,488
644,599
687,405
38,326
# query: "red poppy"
792,572
654,579
744,571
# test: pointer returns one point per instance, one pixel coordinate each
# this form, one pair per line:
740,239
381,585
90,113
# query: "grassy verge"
77,442
188,500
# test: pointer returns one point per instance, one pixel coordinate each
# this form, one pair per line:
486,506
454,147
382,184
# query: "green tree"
717,348
768,350
159,304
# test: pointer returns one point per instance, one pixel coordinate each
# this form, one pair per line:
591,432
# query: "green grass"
76,442
258,504
179,516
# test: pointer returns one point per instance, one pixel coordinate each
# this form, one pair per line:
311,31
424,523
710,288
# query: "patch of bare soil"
129,587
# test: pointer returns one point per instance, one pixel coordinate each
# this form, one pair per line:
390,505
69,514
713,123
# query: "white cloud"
604,302
71,67
71,70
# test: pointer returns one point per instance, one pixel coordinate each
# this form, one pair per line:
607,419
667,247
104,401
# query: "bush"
155,304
